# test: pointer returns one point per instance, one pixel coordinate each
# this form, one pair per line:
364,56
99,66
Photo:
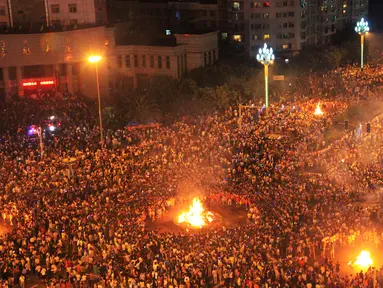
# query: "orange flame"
318,111
364,260
196,216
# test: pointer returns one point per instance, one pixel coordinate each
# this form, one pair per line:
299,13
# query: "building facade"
289,25
45,13
58,60
188,15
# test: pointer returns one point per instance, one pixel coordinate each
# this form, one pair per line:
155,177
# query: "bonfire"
196,216
364,260
318,111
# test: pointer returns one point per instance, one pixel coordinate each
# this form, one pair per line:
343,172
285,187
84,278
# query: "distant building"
58,60
36,13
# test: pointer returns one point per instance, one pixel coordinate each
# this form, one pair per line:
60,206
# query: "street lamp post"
95,59
266,57
362,28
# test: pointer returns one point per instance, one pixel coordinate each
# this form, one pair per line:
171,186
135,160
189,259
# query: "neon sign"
42,83
49,82
29,84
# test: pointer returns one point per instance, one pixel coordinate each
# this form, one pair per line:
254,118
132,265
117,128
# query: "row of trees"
229,82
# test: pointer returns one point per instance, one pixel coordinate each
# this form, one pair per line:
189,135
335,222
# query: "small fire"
318,111
196,216
364,260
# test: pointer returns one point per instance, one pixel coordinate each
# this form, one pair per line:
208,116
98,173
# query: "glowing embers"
196,217
318,110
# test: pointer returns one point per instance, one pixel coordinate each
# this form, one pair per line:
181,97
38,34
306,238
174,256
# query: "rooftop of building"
42,28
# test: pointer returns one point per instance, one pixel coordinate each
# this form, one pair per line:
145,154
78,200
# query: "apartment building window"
278,15
210,57
167,62
236,6
224,36
291,25
291,14
255,4
159,62
127,61
135,61
152,61
213,56
266,36
257,26
55,9
237,38
205,58
265,15
255,15
72,8
144,61
212,13
266,4
255,37
119,61
286,46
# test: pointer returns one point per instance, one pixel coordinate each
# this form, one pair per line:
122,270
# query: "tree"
111,117
142,108
334,56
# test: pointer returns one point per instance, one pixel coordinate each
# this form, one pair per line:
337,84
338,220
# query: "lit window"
344,5
344,11
55,9
266,36
266,4
72,8
237,38
285,46
236,6
168,32
224,36
255,37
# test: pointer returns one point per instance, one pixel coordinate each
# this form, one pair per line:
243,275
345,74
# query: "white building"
37,13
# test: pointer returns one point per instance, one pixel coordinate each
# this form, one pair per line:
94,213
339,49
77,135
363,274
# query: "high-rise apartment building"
37,13
289,25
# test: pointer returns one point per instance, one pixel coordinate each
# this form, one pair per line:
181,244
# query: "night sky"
376,14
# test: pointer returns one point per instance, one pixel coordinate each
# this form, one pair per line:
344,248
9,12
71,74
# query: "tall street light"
362,28
266,57
95,59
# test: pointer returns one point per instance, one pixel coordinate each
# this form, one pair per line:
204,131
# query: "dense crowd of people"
78,215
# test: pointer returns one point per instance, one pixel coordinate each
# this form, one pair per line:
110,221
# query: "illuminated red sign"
49,82
42,83
25,84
